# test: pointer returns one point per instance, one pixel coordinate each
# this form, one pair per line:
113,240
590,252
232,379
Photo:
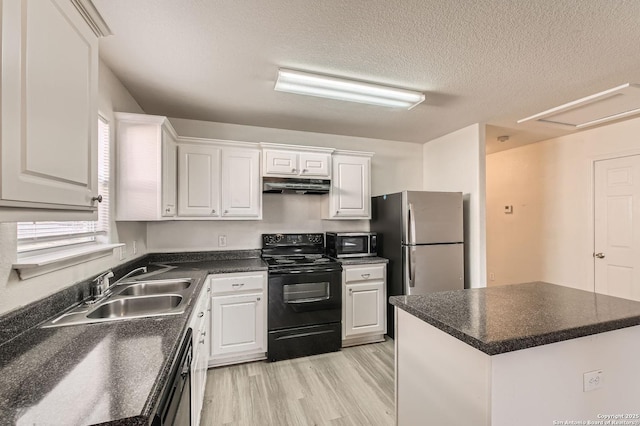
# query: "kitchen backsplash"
281,213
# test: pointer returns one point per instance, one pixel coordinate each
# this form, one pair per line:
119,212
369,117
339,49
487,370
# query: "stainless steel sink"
147,288
136,307
133,299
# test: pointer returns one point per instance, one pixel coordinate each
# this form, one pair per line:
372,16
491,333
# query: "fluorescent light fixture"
613,104
304,83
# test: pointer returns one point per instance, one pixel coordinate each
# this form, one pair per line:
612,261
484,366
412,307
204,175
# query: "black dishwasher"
175,403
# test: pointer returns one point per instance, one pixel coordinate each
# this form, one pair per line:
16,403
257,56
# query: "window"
47,235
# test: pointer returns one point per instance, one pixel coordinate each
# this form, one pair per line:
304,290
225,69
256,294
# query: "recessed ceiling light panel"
613,104
304,83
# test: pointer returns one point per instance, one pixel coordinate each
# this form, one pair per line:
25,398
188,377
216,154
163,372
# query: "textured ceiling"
487,61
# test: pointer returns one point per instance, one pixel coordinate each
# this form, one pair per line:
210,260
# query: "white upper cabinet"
296,161
198,180
350,195
241,192
49,111
316,165
146,168
280,163
218,180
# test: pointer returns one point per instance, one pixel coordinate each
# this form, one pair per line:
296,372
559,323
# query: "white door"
237,324
198,181
241,183
49,111
365,308
617,227
350,187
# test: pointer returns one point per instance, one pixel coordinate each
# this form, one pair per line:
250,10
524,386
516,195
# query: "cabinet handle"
304,170
237,285
204,333
98,199
208,289
337,212
226,211
294,170
350,291
200,314
167,210
365,276
213,211
202,341
258,299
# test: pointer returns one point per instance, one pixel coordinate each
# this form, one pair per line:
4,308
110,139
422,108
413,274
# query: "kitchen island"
524,354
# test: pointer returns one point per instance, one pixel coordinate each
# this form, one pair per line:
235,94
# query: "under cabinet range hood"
295,186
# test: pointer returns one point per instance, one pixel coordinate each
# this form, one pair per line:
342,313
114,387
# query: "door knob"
599,255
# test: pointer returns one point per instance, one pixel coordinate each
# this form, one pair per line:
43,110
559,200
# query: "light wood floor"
350,387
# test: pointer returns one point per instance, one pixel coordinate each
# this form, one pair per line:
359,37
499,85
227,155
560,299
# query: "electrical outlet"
222,240
123,252
492,276
592,380
134,248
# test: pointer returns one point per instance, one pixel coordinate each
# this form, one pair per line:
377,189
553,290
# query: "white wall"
549,237
15,292
395,166
456,162
281,213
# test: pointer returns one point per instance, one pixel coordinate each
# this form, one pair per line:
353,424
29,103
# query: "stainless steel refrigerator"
422,235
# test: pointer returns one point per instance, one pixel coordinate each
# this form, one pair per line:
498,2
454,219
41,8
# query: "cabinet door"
237,324
198,181
280,163
49,109
314,165
365,307
241,183
350,188
169,174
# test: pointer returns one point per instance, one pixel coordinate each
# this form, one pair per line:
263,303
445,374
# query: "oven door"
304,297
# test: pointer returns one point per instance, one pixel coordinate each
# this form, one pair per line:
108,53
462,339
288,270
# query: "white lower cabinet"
200,339
238,318
364,297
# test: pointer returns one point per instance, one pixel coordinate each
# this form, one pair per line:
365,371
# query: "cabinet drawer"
365,273
237,283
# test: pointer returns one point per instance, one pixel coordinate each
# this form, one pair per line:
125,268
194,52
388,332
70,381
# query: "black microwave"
352,244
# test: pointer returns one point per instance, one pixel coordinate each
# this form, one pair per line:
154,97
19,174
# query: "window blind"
47,235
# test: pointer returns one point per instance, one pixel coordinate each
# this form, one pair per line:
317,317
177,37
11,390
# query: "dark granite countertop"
93,373
362,260
508,318
215,262
109,373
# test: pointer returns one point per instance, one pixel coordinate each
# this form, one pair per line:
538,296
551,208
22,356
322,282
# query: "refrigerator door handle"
411,267
412,225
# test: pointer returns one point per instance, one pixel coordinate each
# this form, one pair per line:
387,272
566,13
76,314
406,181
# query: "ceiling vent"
613,104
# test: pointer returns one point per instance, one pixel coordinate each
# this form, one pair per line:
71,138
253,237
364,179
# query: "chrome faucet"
99,287
142,269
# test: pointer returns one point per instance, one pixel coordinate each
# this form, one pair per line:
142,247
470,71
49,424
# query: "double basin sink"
132,299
